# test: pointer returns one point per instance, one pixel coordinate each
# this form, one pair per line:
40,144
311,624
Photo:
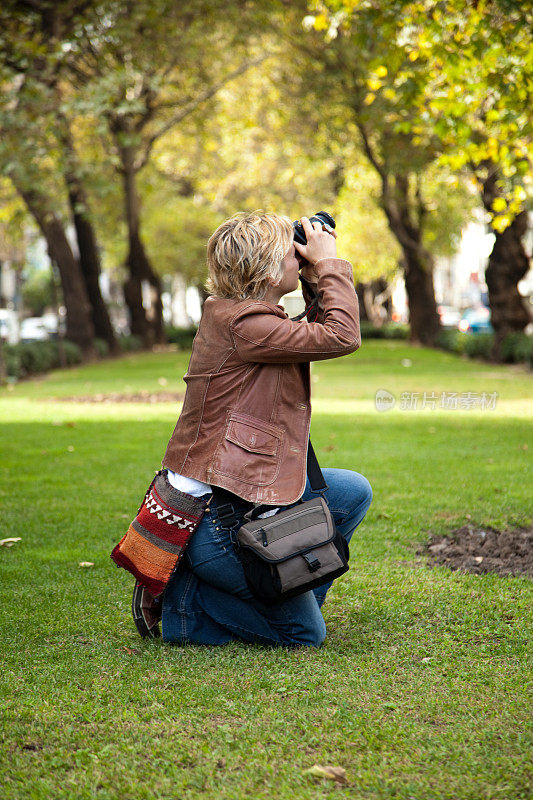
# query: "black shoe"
147,611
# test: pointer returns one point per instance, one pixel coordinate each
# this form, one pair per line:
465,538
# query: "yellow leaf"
86,564
337,774
413,55
374,84
389,94
501,223
499,204
321,23
381,71
369,99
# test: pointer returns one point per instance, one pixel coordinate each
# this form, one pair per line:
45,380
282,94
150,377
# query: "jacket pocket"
250,450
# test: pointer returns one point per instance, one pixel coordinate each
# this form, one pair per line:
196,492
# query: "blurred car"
475,320
8,326
34,329
449,316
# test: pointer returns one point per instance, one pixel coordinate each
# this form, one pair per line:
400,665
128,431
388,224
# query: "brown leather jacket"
246,415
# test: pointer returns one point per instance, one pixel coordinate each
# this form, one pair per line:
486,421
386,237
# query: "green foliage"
364,235
176,229
31,358
390,330
447,339
460,78
101,347
130,344
517,347
183,337
37,292
478,345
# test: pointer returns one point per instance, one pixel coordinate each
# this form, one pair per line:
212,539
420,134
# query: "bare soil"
483,550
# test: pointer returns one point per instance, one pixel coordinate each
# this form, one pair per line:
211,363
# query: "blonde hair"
244,252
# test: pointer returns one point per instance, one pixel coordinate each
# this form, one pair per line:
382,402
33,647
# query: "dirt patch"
483,550
117,397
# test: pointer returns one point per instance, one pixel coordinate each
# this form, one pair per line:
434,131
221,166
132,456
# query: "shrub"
12,360
73,353
37,357
391,330
452,340
101,347
32,358
517,347
478,345
130,343
183,337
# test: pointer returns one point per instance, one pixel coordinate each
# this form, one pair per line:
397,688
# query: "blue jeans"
207,600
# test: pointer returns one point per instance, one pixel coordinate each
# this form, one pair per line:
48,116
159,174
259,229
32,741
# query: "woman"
243,433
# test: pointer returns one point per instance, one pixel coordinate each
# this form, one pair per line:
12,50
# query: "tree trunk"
80,328
424,320
147,325
405,211
406,224
89,256
360,290
508,264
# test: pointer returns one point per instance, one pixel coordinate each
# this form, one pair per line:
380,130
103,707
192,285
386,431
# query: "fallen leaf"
10,542
86,564
131,651
330,773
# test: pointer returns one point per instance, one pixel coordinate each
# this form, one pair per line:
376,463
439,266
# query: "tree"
35,37
339,73
464,82
142,68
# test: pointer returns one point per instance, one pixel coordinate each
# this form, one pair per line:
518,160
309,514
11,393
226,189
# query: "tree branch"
193,104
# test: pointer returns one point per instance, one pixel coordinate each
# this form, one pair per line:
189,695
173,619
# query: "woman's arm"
261,336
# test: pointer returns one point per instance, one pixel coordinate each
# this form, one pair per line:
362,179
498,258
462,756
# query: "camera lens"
323,217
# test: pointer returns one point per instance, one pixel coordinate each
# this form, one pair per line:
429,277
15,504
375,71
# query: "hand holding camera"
314,239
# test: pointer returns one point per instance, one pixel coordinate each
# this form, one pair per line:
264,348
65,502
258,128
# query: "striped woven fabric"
156,539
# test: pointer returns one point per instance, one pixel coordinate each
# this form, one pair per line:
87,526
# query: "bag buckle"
226,515
312,561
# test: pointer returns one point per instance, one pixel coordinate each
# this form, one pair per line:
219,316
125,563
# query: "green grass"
420,690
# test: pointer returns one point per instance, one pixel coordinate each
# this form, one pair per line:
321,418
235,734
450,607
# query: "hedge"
32,358
391,330
183,337
515,348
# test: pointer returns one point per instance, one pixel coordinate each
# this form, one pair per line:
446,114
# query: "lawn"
421,689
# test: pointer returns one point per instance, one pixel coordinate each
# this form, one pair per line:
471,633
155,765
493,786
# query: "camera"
325,219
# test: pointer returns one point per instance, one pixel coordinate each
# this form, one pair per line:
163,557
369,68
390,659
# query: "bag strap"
314,473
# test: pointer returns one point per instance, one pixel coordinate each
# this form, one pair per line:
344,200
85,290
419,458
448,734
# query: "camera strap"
312,308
